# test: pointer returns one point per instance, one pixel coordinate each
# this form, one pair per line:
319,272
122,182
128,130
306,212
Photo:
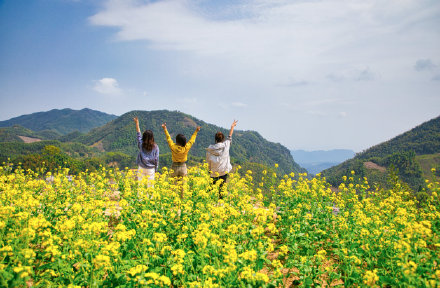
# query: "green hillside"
119,135
18,133
114,143
408,156
61,121
427,162
74,149
423,139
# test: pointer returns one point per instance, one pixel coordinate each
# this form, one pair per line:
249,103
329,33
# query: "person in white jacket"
217,157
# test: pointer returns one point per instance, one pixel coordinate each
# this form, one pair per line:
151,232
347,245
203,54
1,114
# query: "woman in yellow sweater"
179,150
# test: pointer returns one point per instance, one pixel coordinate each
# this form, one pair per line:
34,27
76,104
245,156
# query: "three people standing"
217,155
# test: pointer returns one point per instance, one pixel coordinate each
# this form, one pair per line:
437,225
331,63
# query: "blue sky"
308,74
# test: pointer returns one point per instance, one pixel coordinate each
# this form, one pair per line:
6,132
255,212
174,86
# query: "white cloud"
425,64
275,29
107,86
317,113
316,57
292,82
354,74
265,41
429,67
238,104
365,75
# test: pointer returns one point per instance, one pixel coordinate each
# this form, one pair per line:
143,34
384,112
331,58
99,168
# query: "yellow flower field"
107,229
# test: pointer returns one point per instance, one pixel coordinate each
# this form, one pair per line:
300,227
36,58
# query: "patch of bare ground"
189,122
99,145
29,139
374,166
325,278
113,210
334,189
113,164
289,276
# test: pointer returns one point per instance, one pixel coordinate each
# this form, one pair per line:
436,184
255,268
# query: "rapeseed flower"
370,278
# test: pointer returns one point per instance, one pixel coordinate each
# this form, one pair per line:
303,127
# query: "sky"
313,75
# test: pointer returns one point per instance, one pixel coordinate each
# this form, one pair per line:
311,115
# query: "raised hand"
136,121
164,125
198,128
232,127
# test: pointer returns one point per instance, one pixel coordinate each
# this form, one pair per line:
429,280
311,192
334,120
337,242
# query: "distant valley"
319,160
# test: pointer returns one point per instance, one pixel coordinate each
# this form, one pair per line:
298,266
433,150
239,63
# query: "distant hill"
11,149
61,121
401,155
18,133
318,160
423,139
248,146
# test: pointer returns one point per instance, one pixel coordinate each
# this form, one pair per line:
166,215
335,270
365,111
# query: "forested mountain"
423,139
61,121
401,156
248,146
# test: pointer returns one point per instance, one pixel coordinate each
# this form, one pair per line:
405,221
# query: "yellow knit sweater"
179,153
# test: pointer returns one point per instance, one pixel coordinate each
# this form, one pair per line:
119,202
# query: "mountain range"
96,138
62,121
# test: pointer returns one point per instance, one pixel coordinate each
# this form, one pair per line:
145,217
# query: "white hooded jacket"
217,156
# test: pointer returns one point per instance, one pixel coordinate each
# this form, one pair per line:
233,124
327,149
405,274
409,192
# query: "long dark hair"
181,140
219,137
148,140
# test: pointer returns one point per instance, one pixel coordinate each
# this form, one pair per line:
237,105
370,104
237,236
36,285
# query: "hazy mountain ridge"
62,121
400,155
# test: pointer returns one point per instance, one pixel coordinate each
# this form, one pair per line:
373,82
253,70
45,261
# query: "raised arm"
232,128
136,121
193,138
167,135
138,136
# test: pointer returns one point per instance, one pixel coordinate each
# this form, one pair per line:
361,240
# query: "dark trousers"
215,179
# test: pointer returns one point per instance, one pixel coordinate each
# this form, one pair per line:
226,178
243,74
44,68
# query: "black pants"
215,179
